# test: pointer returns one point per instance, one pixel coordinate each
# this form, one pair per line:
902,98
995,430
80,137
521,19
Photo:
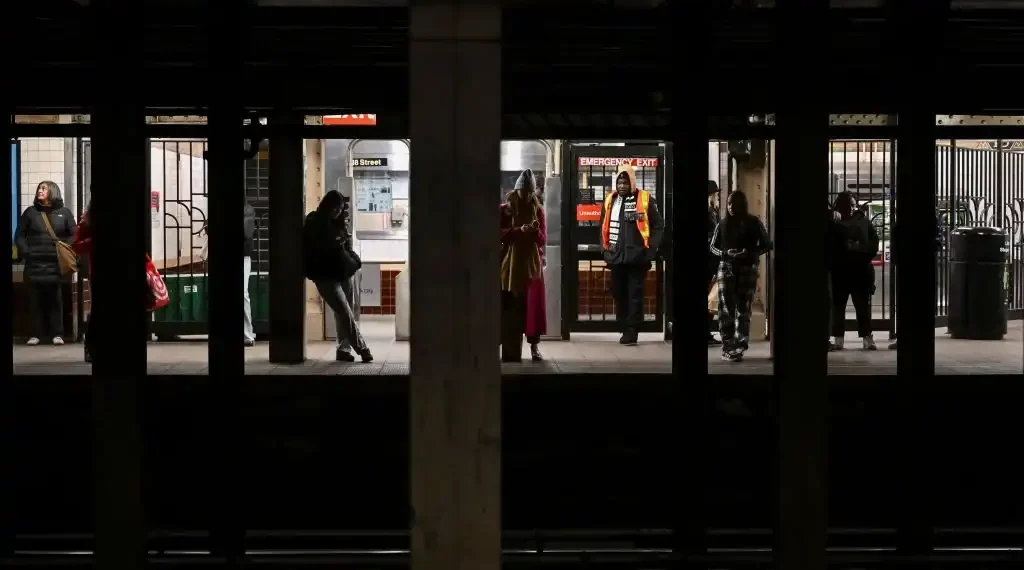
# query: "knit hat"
526,180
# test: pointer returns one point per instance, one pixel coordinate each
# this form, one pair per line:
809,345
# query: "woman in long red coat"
82,245
523,235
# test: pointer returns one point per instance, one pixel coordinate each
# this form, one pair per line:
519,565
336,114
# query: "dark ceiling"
564,59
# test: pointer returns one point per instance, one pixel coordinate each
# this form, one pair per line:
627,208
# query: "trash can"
977,293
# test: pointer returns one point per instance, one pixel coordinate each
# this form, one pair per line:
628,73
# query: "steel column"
800,347
119,217
226,186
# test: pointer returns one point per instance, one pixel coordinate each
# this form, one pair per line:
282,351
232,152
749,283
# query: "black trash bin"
977,289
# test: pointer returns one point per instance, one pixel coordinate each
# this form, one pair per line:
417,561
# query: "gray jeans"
333,294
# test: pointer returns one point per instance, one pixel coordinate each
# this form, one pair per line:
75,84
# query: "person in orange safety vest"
631,232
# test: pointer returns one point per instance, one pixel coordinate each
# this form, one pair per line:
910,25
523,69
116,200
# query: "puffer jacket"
35,246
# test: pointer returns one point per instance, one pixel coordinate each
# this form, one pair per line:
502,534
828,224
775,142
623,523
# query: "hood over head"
56,198
526,180
629,171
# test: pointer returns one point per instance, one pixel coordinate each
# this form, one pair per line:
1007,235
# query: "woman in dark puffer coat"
39,251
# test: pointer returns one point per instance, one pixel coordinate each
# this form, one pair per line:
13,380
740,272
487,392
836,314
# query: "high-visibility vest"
643,198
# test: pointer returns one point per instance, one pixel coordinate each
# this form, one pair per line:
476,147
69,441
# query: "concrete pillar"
314,188
455,384
287,211
120,217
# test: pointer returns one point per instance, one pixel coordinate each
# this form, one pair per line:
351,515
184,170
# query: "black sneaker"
712,341
732,356
344,356
365,355
250,343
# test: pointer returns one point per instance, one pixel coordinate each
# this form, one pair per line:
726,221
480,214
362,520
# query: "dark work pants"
628,293
47,310
861,304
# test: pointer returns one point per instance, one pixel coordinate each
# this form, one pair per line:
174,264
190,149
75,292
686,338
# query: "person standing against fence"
41,226
329,262
739,241
853,275
713,260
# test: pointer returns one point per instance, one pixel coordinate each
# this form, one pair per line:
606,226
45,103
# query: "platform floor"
586,353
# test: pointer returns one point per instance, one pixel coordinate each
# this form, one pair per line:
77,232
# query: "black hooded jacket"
327,249
35,246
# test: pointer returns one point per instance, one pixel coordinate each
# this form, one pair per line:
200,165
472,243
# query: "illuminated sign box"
616,162
351,120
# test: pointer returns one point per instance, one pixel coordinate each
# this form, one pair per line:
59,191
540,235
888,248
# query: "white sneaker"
869,343
32,341
57,341
838,344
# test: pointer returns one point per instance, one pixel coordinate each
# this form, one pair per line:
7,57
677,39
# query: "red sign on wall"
154,200
616,162
351,120
588,212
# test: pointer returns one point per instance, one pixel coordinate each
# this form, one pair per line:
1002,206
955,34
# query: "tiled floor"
586,353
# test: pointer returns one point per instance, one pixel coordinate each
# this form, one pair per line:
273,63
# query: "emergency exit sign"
638,162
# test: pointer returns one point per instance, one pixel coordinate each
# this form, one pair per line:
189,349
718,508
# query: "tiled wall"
42,159
387,294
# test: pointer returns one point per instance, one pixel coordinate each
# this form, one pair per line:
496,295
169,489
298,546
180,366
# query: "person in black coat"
852,274
739,240
42,269
329,263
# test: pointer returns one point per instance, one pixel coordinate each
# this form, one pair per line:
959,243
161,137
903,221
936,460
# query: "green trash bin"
259,297
187,294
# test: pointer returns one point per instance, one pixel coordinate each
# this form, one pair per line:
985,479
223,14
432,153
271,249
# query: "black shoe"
732,356
629,338
365,355
535,354
712,341
88,355
250,343
344,356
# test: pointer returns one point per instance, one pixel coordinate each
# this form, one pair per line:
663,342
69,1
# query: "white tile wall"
41,159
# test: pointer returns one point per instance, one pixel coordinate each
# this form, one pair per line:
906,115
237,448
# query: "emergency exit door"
586,280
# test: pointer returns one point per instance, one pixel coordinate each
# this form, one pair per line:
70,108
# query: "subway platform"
585,353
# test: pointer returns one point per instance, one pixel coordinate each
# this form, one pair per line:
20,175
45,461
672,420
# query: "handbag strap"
49,228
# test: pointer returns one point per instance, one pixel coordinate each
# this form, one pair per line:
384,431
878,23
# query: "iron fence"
981,184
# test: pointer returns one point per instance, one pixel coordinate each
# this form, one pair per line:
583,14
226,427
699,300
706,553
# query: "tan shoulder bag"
67,259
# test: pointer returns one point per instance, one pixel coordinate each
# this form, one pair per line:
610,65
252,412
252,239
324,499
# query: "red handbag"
158,297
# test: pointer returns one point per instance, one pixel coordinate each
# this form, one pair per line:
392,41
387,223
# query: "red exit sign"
616,162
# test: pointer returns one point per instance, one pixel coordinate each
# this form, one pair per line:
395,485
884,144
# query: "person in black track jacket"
713,260
739,240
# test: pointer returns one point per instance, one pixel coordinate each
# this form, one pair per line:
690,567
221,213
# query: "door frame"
572,151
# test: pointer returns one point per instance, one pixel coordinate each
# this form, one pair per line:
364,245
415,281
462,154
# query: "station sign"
369,162
351,120
638,162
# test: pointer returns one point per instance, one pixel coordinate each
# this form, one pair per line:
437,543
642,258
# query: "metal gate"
178,210
866,169
980,183
586,280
